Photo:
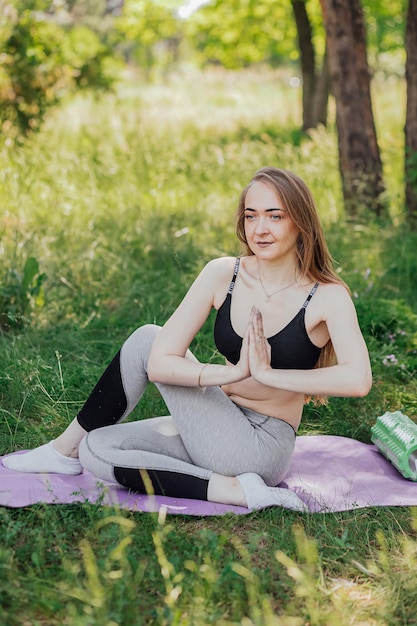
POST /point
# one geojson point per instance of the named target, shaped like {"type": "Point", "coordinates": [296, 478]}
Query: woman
{"type": "Point", "coordinates": [288, 330]}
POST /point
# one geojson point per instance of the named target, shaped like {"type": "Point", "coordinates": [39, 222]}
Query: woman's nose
{"type": "Point", "coordinates": [261, 225]}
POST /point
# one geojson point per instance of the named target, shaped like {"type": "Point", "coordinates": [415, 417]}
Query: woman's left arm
{"type": "Point", "coordinates": [351, 376]}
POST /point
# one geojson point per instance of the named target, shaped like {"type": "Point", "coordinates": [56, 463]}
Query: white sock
{"type": "Point", "coordinates": [44, 459]}
{"type": "Point", "coordinates": [258, 495]}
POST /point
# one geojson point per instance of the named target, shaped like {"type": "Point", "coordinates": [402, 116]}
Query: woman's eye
{"type": "Point", "coordinates": [274, 217]}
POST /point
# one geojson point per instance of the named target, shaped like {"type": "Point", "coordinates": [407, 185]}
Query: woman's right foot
{"type": "Point", "coordinates": [259, 496]}
{"type": "Point", "coordinates": [43, 460]}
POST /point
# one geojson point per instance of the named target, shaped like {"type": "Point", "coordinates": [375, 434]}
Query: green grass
{"type": "Point", "coordinates": [121, 199]}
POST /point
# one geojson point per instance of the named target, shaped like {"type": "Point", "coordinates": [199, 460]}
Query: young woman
{"type": "Point", "coordinates": [288, 330]}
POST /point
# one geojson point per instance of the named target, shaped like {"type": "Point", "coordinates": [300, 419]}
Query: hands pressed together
{"type": "Point", "coordinates": [254, 361]}
{"type": "Point", "coordinates": [255, 355]}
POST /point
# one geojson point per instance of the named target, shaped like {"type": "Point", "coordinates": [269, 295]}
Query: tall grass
{"type": "Point", "coordinates": [122, 199]}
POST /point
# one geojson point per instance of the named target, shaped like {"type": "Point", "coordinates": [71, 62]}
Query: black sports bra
{"type": "Point", "coordinates": [291, 348]}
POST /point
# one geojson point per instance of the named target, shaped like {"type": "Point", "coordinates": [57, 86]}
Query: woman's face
{"type": "Point", "coordinates": [270, 232]}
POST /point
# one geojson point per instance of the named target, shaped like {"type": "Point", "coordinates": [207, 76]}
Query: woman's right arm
{"type": "Point", "coordinates": [351, 376]}
{"type": "Point", "coordinates": [169, 362]}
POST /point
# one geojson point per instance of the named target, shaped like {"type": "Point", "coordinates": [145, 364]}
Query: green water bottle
{"type": "Point", "coordinates": [395, 436]}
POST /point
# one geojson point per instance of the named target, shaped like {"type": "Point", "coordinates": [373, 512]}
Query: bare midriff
{"type": "Point", "coordinates": [283, 405]}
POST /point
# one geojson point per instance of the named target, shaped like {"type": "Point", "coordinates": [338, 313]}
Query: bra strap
{"type": "Point", "coordinates": [310, 295]}
{"type": "Point", "coordinates": [235, 271]}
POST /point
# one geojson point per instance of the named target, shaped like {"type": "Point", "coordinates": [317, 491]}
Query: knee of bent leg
{"type": "Point", "coordinates": [137, 347]}
{"type": "Point", "coordinates": [147, 331]}
{"type": "Point", "coordinates": [142, 338]}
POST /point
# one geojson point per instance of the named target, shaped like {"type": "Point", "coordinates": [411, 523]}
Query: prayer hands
{"type": "Point", "coordinates": [259, 348]}
{"type": "Point", "coordinates": [255, 355]}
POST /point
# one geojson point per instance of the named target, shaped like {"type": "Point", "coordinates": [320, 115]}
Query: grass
{"type": "Point", "coordinates": [121, 200]}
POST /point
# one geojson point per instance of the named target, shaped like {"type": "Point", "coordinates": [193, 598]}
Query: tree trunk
{"type": "Point", "coordinates": [359, 158]}
{"type": "Point", "coordinates": [411, 115]}
{"type": "Point", "coordinates": [315, 87]}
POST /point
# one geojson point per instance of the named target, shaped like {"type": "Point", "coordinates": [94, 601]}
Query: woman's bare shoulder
{"type": "Point", "coordinates": [221, 267]}
{"type": "Point", "coordinates": [334, 297]}
{"type": "Point", "coordinates": [335, 290]}
{"type": "Point", "coordinates": [216, 277]}
{"type": "Point", "coordinates": [331, 290]}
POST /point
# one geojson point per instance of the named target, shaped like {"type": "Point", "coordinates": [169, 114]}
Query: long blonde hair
{"type": "Point", "coordinates": [314, 259]}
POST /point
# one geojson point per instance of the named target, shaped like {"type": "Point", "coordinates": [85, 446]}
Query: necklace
{"type": "Point", "coordinates": [269, 295]}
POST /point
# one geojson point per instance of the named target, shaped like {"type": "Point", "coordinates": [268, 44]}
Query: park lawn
{"type": "Point", "coordinates": [121, 199]}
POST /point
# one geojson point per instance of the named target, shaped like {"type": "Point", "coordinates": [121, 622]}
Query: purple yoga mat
{"type": "Point", "coordinates": [328, 473]}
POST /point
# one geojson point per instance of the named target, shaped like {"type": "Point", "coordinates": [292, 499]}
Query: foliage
{"type": "Point", "coordinates": [19, 292]}
{"type": "Point", "coordinates": [390, 327]}
{"type": "Point", "coordinates": [269, 33]}
{"type": "Point", "coordinates": [42, 63]}
{"type": "Point", "coordinates": [385, 23]}
{"type": "Point", "coordinates": [152, 33]}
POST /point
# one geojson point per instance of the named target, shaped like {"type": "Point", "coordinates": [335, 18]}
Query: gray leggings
{"type": "Point", "coordinates": [204, 433]}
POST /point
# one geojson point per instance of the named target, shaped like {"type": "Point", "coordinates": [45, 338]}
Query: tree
{"type": "Point", "coordinates": [359, 156]}
{"type": "Point", "coordinates": [315, 83]}
{"type": "Point", "coordinates": [411, 115]}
